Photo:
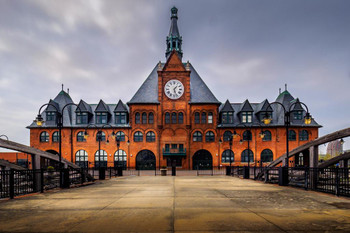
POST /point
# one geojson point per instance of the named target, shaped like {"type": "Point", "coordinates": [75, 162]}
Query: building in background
{"type": "Point", "coordinates": [173, 118]}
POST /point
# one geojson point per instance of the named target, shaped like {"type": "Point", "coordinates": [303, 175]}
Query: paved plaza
{"type": "Point", "coordinates": [177, 204]}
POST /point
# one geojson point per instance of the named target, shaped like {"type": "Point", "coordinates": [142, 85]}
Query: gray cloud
{"type": "Point", "coordinates": [106, 49]}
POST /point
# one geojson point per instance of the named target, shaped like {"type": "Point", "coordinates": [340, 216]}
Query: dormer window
{"type": "Point", "coordinates": [247, 117]}
{"type": "Point", "coordinates": [227, 118]}
{"type": "Point", "coordinates": [298, 115]}
{"type": "Point", "coordinates": [101, 118]}
{"type": "Point", "coordinates": [82, 118]}
{"type": "Point", "coordinates": [50, 116]}
{"type": "Point", "coordinates": [120, 117]}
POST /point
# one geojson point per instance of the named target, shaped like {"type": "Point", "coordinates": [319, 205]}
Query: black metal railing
{"type": "Point", "coordinates": [329, 180]}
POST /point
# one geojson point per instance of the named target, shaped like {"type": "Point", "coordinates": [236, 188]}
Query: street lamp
{"type": "Point", "coordinates": [99, 138]}
{"type": "Point", "coordinates": [118, 145]}
{"type": "Point", "coordinates": [267, 120]}
{"type": "Point", "coordinates": [39, 121]}
{"type": "Point", "coordinates": [249, 127]}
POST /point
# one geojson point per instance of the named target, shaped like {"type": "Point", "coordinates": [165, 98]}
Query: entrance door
{"type": "Point", "coordinates": [145, 160]}
{"type": "Point", "coordinates": [202, 160]}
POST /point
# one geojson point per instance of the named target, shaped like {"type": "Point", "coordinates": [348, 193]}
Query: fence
{"type": "Point", "coordinates": [329, 180]}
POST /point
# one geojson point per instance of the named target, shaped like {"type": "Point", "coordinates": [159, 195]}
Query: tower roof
{"type": "Point", "coordinates": [148, 92]}
{"type": "Point", "coordinates": [173, 40]}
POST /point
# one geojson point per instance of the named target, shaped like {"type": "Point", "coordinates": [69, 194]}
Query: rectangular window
{"type": "Point", "coordinates": [120, 118]}
{"type": "Point", "coordinates": [224, 117]}
{"type": "Point", "coordinates": [82, 118]}
{"type": "Point", "coordinates": [210, 118]}
{"type": "Point", "coordinates": [298, 115]}
{"type": "Point", "coordinates": [101, 118]}
{"type": "Point", "coordinates": [173, 146]}
{"type": "Point", "coordinates": [181, 147]}
{"type": "Point", "coordinates": [167, 147]}
{"type": "Point", "coordinates": [247, 117]}
{"type": "Point", "coordinates": [50, 116]}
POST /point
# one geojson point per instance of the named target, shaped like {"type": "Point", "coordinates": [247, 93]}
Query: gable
{"type": "Point", "coordinates": [174, 63]}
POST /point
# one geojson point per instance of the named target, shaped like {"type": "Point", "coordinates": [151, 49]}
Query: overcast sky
{"type": "Point", "coordinates": [106, 49]}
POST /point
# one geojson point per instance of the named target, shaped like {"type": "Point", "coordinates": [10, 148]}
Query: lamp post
{"type": "Point", "coordinates": [250, 137]}
{"type": "Point", "coordinates": [307, 120]}
{"type": "Point", "coordinates": [118, 145]}
{"type": "Point", "coordinates": [59, 122]}
{"type": "Point", "coordinates": [99, 138]}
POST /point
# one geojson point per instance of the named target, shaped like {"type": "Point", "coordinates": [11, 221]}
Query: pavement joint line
{"type": "Point", "coordinates": [174, 205]}
{"type": "Point", "coordinates": [87, 219]}
{"type": "Point", "coordinates": [252, 211]}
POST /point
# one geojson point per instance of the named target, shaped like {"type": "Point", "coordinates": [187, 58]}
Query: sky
{"type": "Point", "coordinates": [242, 49]}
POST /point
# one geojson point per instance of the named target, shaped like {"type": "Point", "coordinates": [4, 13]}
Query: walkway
{"type": "Point", "coordinates": [180, 204]}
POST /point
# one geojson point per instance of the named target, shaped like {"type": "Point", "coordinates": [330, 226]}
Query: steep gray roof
{"type": "Point", "coordinates": [120, 107]}
{"type": "Point", "coordinates": [102, 107]}
{"type": "Point", "coordinates": [226, 107]}
{"type": "Point", "coordinates": [83, 107]}
{"type": "Point", "coordinates": [264, 106]}
{"type": "Point", "coordinates": [246, 107]}
{"type": "Point", "coordinates": [148, 92]}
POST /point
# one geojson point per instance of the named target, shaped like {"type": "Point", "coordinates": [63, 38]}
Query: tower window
{"type": "Point", "coordinates": [150, 118]}
{"type": "Point", "coordinates": [144, 118]}
{"type": "Point", "coordinates": [181, 118]}
{"type": "Point", "coordinates": [167, 118]}
{"type": "Point", "coordinates": [50, 116]}
{"type": "Point", "coordinates": [174, 118]}
{"type": "Point", "coordinates": [210, 118]}
{"type": "Point", "coordinates": [197, 136]}
{"type": "Point", "coordinates": [204, 118]}
{"type": "Point", "coordinates": [196, 118]}
{"type": "Point", "coordinates": [137, 118]}
{"type": "Point", "coordinates": [298, 115]}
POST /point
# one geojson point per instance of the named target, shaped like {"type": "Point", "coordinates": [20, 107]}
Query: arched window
{"type": "Point", "coordinates": [210, 136]}
{"type": "Point", "coordinates": [267, 136]}
{"type": "Point", "coordinates": [204, 118]}
{"type": "Point", "coordinates": [120, 158]}
{"type": "Point", "coordinates": [197, 136]}
{"type": "Point", "coordinates": [266, 156]}
{"type": "Point", "coordinates": [55, 136]}
{"type": "Point", "coordinates": [137, 118]}
{"type": "Point", "coordinates": [210, 118]}
{"type": "Point", "coordinates": [196, 118]}
{"type": "Point", "coordinates": [100, 136]}
{"type": "Point", "coordinates": [150, 137]}
{"type": "Point", "coordinates": [81, 158]}
{"type": "Point", "coordinates": [244, 156]}
{"type": "Point", "coordinates": [303, 135]}
{"type": "Point", "coordinates": [173, 118]}
{"type": "Point", "coordinates": [44, 137]}
{"type": "Point", "coordinates": [101, 158]}
{"type": "Point", "coordinates": [227, 136]}
{"type": "Point", "coordinates": [150, 118]}
{"type": "Point", "coordinates": [138, 136]}
{"type": "Point", "coordinates": [292, 136]}
{"type": "Point", "coordinates": [167, 118]}
{"type": "Point", "coordinates": [247, 135]}
{"type": "Point", "coordinates": [180, 118]}
{"type": "Point", "coordinates": [80, 137]}
{"type": "Point", "coordinates": [225, 158]}
{"type": "Point", "coordinates": [120, 135]}
{"type": "Point", "coordinates": [144, 118]}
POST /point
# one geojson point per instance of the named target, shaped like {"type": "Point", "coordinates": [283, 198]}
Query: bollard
{"type": "Point", "coordinates": [246, 171]}
{"type": "Point", "coordinates": [102, 173]}
{"type": "Point", "coordinates": [66, 180]}
{"type": "Point", "coordinates": [41, 180]}
{"type": "Point", "coordinates": [120, 171]}
{"type": "Point", "coordinates": [228, 171]}
{"type": "Point", "coordinates": [12, 184]}
{"type": "Point", "coordinates": [282, 176]}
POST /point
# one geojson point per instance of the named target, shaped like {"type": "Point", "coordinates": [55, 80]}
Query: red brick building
{"type": "Point", "coordinates": [172, 118]}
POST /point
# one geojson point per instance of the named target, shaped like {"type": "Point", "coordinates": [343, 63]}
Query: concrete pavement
{"type": "Point", "coordinates": [177, 204]}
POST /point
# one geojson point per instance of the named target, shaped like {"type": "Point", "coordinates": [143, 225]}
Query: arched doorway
{"type": "Point", "coordinates": [145, 160]}
{"type": "Point", "coordinates": [202, 160]}
{"type": "Point", "coordinates": [45, 162]}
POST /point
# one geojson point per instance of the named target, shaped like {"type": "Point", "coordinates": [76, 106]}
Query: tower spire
{"type": "Point", "coordinates": [173, 40]}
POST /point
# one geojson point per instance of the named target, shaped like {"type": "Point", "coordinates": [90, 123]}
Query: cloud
{"type": "Point", "coordinates": [106, 49]}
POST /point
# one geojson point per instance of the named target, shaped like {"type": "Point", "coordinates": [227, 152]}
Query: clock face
{"type": "Point", "coordinates": [174, 89]}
